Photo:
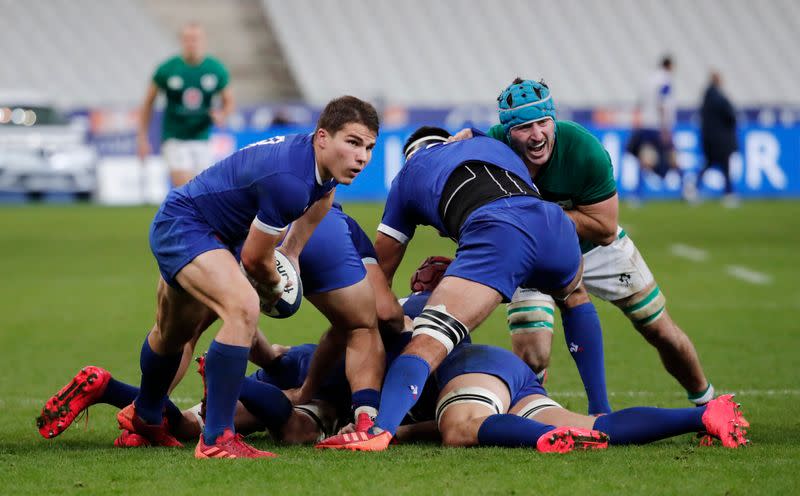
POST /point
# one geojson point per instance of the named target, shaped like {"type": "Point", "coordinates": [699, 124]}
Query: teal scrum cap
{"type": "Point", "coordinates": [524, 102]}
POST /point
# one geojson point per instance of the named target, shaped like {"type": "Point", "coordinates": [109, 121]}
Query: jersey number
{"type": "Point", "coordinates": [270, 141]}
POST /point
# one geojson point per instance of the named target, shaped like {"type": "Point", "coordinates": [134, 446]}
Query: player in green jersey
{"type": "Point", "coordinates": [189, 81]}
{"type": "Point", "coordinates": [571, 167]}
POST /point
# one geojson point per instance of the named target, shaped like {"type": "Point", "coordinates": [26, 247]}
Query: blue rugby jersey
{"type": "Point", "coordinates": [272, 181]}
{"type": "Point", "coordinates": [415, 192]}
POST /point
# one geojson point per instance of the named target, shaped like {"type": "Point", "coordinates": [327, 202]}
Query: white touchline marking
{"type": "Point", "coordinates": [690, 252]}
{"type": "Point", "coordinates": [748, 275]}
{"type": "Point", "coordinates": [743, 392]}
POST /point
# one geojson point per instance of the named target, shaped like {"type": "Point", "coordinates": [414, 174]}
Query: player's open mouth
{"type": "Point", "coordinates": [537, 147]}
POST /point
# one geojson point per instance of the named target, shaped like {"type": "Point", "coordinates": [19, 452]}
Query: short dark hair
{"type": "Point", "coordinates": [346, 109]}
{"type": "Point", "coordinates": [424, 132]}
{"type": "Point", "coordinates": [666, 61]}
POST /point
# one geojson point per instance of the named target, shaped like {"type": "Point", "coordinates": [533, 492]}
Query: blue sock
{"type": "Point", "coordinates": [173, 414]}
{"type": "Point", "coordinates": [225, 368]}
{"type": "Point", "coordinates": [641, 424]}
{"type": "Point", "coordinates": [505, 429]}
{"type": "Point", "coordinates": [585, 342]}
{"type": "Point", "coordinates": [118, 394]}
{"type": "Point", "coordinates": [157, 374]}
{"type": "Point", "coordinates": [266, 402]}
{"type": "Point", "coordinates": [401, 390]}
{"type": "Point", "coordinates": [366, 397]}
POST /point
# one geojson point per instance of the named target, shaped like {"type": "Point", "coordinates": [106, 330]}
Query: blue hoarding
{"type": "Point", "coordinates": [766, 166]}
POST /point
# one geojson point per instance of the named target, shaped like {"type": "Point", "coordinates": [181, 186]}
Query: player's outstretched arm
{"type": "Point", "coordinates": [330, 350]}
{"type": "Point", "coordinates": [261, 352]}
{"type": "Point", "coordinates": [390, 313]}
{"type": "Point", "coordinates": [597, 222]}
{"type": "Point", "coordinates": [390, 253]}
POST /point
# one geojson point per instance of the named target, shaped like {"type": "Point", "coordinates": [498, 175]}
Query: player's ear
{"type": "Point", "coordinates": [322, 136]}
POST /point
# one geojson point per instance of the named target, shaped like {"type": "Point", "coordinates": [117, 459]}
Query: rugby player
{"type": "Point", "coordinates": [328, 276]}
{"type": "Point", "coordinates": [190, 81]}
{"type": "Point", "coordinates": [570, 167]}
{"type": "Point", "coordinates": [479, 193]}
{"type": "Point", "coordinates": [249, 198]}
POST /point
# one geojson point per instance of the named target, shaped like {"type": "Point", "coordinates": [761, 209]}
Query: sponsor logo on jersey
{"type": "Point", "coordinates": [414, 390]}
{"type": "Point", "coordinates": [175, 82]}
{"type": "Point", "coordinates": [192, 98]}
{"type": "Point", "coordinates": [209, 82]}
{"type": "Point", "coordinates": [625, 280]}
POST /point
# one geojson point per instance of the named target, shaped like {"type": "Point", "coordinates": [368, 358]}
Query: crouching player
{"type": "Point", "coordinates": [333, 280]}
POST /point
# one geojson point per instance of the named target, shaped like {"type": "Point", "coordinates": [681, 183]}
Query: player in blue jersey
{"type": "Point", "coordinates": [267, 405]}
{"type": "Point", "coordinates": [479, 193]}
{"type": "Point", "coordinates": [333, 280]}
{"type": "Point", "coordinates": [249, 198]}
{"type": "Point", "coordinates": [490, 397]}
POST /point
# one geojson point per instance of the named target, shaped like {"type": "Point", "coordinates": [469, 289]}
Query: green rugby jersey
{"type": "Point", "coordinates": [578, 173]}
{"type": "Point", "coordinates": [189, 90]}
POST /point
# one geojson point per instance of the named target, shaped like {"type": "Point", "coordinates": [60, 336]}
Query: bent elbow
{"type": "Point", "coordinates": [607, 236]}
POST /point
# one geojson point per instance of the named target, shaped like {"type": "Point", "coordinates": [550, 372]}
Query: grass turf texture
{"type": "Point", "coordinates": [78, 288]}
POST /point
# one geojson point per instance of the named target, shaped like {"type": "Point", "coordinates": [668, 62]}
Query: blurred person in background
{"type": "Point", "coordinates": [718, 132]}
{"type": "Point", "coordinates": [651, 142]}
{"type": "Point", "coordinates": [190, 81]}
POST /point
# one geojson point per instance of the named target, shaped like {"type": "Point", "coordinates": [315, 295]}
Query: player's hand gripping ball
{"type": "Point", "coordinates": [292, 293]}
{"type": "Point", "coordinates": [428, 275]}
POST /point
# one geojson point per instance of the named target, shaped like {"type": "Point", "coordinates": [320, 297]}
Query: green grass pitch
{"type": "Point", "coordinates": [78, 288]}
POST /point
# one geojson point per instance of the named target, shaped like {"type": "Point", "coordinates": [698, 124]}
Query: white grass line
{"type": "Point", "coordinates": [690, 252]}
{"type": "Point", "coordinates": [748, 275]}
{"type": "Point", "coordinates": [742, 392]}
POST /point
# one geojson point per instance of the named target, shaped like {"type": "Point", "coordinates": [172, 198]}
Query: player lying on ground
{"type": "Point", "coordinates": [569, 166]}
{"type": "Point", "coordinates": [490, 397]}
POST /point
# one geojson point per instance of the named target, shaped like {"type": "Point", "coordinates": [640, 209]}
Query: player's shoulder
{"type": "Point", "coordinates": [215, 63]}
{"type": "Point", "coordinates": [576, 137]}
{"type": "Point", "coordinates": [573, 130]}
{"type": "Point", "coordinates": [289, 154]}
{"type": "Point", "coordinates": [172, 62]}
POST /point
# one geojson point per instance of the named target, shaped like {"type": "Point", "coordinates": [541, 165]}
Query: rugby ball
{"type": "Point", "coordinates": [289, 302]}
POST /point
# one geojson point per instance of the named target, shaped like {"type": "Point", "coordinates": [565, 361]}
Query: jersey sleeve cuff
{"type": "Point", "coordinates": [393, 233]}
{"type": "Point", "coordinates": [266, 228]}
{"type": "Point", "coordinates": [599, 198]}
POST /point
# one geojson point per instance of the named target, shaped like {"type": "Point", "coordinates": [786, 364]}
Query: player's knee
{"type": "Point", "coordinates": [460, 427]}
{"type": "Point", "coordinates": [457, 434]}
{"type": "Point", "coordinates": [437, 323]}
{"type": "Point", "coordinates": [578, 296]}
{"type": "Point", "coordinates": [536, 358]}
{"type": "Point", "coordinates": [243, 310]}
{"type": "Point", "coordinates": [530, 316]}
{"type": "Point", "coordinates": [647, 311]}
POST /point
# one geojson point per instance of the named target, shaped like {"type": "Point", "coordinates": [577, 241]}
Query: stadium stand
{"type": "Point", "coordinates": [456, 51]}
{"type": "Point", "coordinates": [239, 34]}
{"type": "Point", "coordinates": [80, 52]}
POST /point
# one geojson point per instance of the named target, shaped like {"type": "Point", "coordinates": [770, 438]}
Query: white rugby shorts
{"type": "Point", "coordinates": [187, 155]}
